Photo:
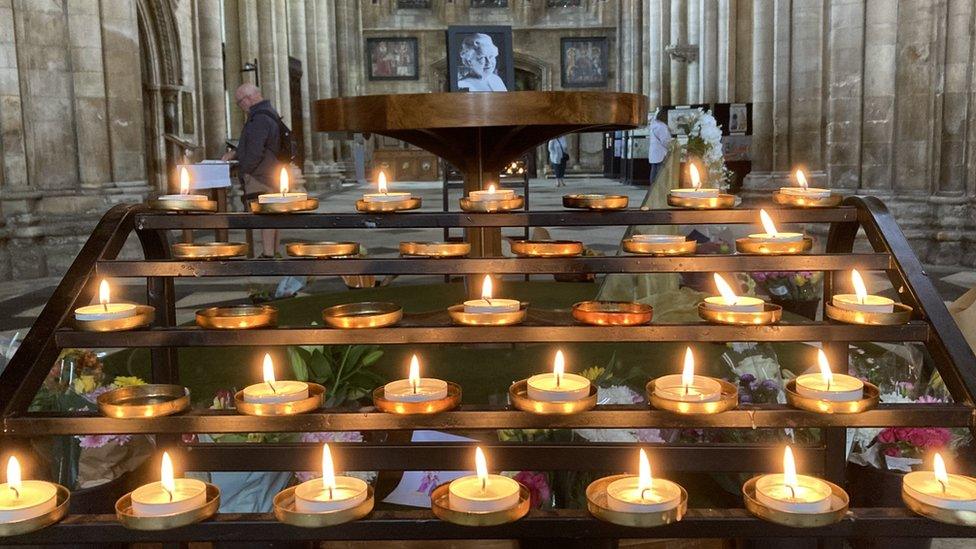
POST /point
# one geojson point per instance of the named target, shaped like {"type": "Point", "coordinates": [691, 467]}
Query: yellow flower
{"type": "Point", "coordinates": [127, 381]}
{"type": "Point", "coordinates": [592, 373]}
{"type": "Point", "coordinates": [800, 280]}
{"type": "Point", "coordinates": [84, 384]}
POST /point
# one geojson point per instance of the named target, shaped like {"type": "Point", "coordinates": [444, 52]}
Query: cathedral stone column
{"type": "Point", "coordinates": [212, 78]}
{"type": "Point", "coordinates": [322, 78]}
{"type": "Point", "coordinates": [694, 30]}
{"type": "Point", "coordinates": [762, 85]}
{"type": "Point", "coordinates": [88, 85]}
{"type": "Point", "coordinates": [679, 38]}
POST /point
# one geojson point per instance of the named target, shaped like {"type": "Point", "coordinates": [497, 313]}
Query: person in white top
{"type": "Point", "coordinates": [658, 139]}
{"type": "Point", "coordinates": [558, 157]}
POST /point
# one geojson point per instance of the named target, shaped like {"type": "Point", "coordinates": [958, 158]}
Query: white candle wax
{"type": "Point", "coordinates": [842, 388]}
{"type": "Point", "coordinates": [806, 192]}
{"type": "Point", "coordinates": [281, 198]}
{"type": "Point", "coordinates": [313, 497]}
{"type": "Point", "coordinates": [402, 390]}
{"type": "Point", "coordinates": [281, 392]}
{"type": "Point", "coordinates": [591, 196]}
{"type": "Point", "coordinates": [35, 498]}
{"type": "Point", "coordinates": [959, 493]}
{"type": "Point", "coordinates": [543, 387]}
{"type": "Point", "coordinates": [778, 237]}
{"type": "Point", "coordinates": [870, 304]}
{"type": "Point", "coordinates": [694, 193]}
{"type": "Point", "coordinates": [469, 495]}
{"type": "Point", "coordinates": [483, 306]}
{"type": "Point", "coordinates": [193, 197]}
{"type": "Point", "coordinates": [386, 197]}
{"type": "Point", "coordinates": [810, 495]}
{"type": "Point", "coordinates": [741, 304]}
{"type": "Point", "coordinates": [109, 311]}
{"type": "Point", "coordinates": [624, 495]}
{"type": "Point", "coordinates": [701, 389]}
{"type": "Point", "coordinates": [497, 194]}
{"type": "Point", "coordinates": [152, 500]}
{"type": "Point", "coordinates": [658, 238]}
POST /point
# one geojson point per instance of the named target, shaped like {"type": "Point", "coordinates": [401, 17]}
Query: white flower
{"type": "Point", "coordinates": [617, 394]}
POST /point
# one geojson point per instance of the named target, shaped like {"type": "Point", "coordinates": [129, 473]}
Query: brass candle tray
{"type": "Point", "coordinates": [284, 511]}
{"type": "Point", "coordinates": [458, 316]}
{"type": "Point", "coordinates": [596, 201]}
{"type": "Point", "coordinates": [868, 402]}
{"type": "Point", "coordinates": [722, 201]}
{"type": "Point", "coordinates": [546, 248]}
{"type": "Point", "coordinates": [769, 315]}
{"type": "Point", "coordinates": [316, 394]}
{"type": "Point", "coordinates": [322, 249]}
{"type": "Point", "coordinates": [181, 205]}
{"type": "Point", "coordinates": [449, 402]}
{"type": "Point", "coordinates": [366, 314]}
{"type": "Point", "coordinates": [632, 246]}
{"type": "Point", "coordinates": [143, 317]}
{"type": "Point", "coordinates": [750, 246]}
{"type": "Point", "coordinates": [123, 511]}
{"type": "Point", "coordinates": [487, 206]}
{"type": "Point", "coordinates": [612, 313]}
{"type": "Point", "coordinates": [596, 503]}
{"type": "Point", "coordinates": [237, 317]}
{"type": "Point", "coordinates": [210, 250]}
{"type": "Point", "coordinates": [901, 315]}
{"type": "Point", "coordinates": [949, 516]}
{"type": "Point", "coordinates": [307, 205]}
{"type": "Point", "coordinates": [435, 249]}
{"type": "Point", "coordinates": [519, 397]}
{"type": "Point", "coordinates": [838, 508]}
{"type": "Point", "coordinates": [807, 202]}
{"type": "Point", "coordinates": [33, 524]}
{"type": "Point", "coordinates": [411, 203]}
{"type": "Point", "coordinates": [144, 401]}
{"type": "Point", "coordinates": [728, 400]}
{"type": "Point", "coordinates": [440, 504]}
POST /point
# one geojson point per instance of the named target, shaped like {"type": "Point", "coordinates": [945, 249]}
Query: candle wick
{"type": "Point", "coordinates": [687, 389]}
{"type": "Point", "coordinates": [487, 300]}
{"type": "Point", "coordinates": [643, 492]}
{"type": "Point", "coordinates": [792, 492]}
{"type": "Point", "coordinates": [484, 484]}
{"type": "Point", "coordinates": [828, 384]}
{"type": "Point", "coordinates": [17, 492]}
{"type": "Point", "coordinates": [105, 305]}
{"type": "Point", "coordinates": [168, 493]}
{"type": "Point", "coordinates": [414, 384]}
{"type": "Point", "coordinates": [331, 495]}
{"type": "Point", "coordinates": [943, 484]}
{"type": "Point", "coordinates": [272, 387]}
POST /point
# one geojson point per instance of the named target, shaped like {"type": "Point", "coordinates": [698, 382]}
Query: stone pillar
{"type": "Point", "coordinates": [267, 58]}
{"type": "Point", "coordinates": [805, 87]}
{"type": "Point", "coordinates": [762, 85]}
{"type": "Point", "coordinates": [781, 71]}
{"type": "Point", "coordinates": [321, 25]}
{"type": "Point", "coordinates": [123, 85]}
{"type": "Point", "coordinates": [955, 107]}
{"type": "Point", "coordinates": [710, 38]}
{"type": "Point", "coordinates": [13, 158]}
{"type": "Point", "coordinates": [213, 106]}
{"type": "Point", "coordinates": [349, 33]}
{"type": "Point", "coordinates": [629, 44]}
{"type": "Point", "coordinates": [724, 82]}
{"type": "Point", "coordinates": [918, 33]}
{"type": "Point", "coordinates": [298, 48]}
{"type": "Point", "coordinates": [679, 37]}
{"type": "Point", "coordinates": [88, 86]}
{"type": "Point", "coordinates": [694, 40]}
{"type": "Point", "coordinates": [658, 63]}
{"type": "Point", "coordinates": [742, 54]}
{"type": "Point", "coordinates": [281, 52]}
{"type": "Point", "coordinates": [845, 81]}
{"type": "Point", "coordinates": [878, 118]}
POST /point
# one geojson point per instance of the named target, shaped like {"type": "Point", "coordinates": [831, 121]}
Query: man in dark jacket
{"type": "Point", "coordinates": [257, 152]}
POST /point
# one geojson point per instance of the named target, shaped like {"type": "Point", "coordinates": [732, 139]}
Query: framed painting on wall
{"type": "Point", "coordinates": [585, 62]}
{"type": "Point", "coordinates": [392, 58]}
{"type": "Point", "coordinates": [413, 4]}
{"type": "Point", "coordinates": [479, 58]}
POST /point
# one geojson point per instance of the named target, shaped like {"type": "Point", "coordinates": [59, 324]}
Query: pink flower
{"type": "Point", "coordinates": [538, 485]}
{"type": "Point", "coordinates": [97, 441]}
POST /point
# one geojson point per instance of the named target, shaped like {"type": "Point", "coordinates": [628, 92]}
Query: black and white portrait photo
{"type": "Point", "coordinates": [480, 58]}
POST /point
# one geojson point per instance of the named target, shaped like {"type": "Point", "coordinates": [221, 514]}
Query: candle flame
{"type": "Point", "coordinates": [725, 290]}
{"type": "Point", "coordinates": [481, 466]}
{"type": "Point", "coordinates": [269, 376]}
{"type": "Point", "coordinates": [688, 372]}
{"type": "Point", "coordinates": [859, 288]}
{"type": "Point", "coordinates": [801, 179]}
{"type": "Point", "coordinates": [491, 188]}
{"type": "Point", "coordinates": [767, 223]}
{"type": "Point", "coordinates": [166, 477]}
{"type": "Point", "coordinates": [695, 176]}
{"type": "Point", "coordinates": [828, 376]}
{"type": "Point", "coordinates": [381, 181]}
{"type": "Point", "coordinates": [558, 367]}
{"type": "Point", "coordinates": [103, 294]}
{"type": "Point", "coordinates": [283, 180]}
{"type": "Point", "coordinates": [643, 473]}
{"type": "Point", "coordinates": [184, 181]}
{"type": "Point", "coordinates": [789, 469]}
{"type": "Point", "coordinates": [328, 470]}
{"type": "Point", "coordinates": [414, 376]}
{"type": "Point", "coordinates": [13, 474]}
{"type": "Point", "coordinates": [486, 288]}
{"type": "Point", "coordinates": [940, 470]}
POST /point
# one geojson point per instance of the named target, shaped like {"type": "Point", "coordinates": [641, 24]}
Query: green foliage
{"type": "Point", "coordinates": [344, 370]}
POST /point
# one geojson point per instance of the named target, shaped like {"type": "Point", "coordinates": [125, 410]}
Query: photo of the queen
{"type": "Point", "coordinates": [480, 59]}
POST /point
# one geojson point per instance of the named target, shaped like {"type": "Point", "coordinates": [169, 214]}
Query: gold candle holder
{"type": "Point", "coordinates": [770, 314]}
{"type": "Point", "coordinates": [144, 401]}
{"type": "Point", "coordinates": [237, 317]}
{"type": "Point", "coordinates": [366, 314]}
{"type": "Point", "coordinates": [33, 524]}
{"type": "Point", "coordinates": [211, 250]}
{"type": "Point", "coordinates": [612, 313]}
{"type": "Point", "coordinates": [752, 246]}
{"type": "Point", "coordinates": [458, 316]}
{"type": "Point", "coordinates": [435, 249]}
{"type": "Point", "coordinates": [411, 203]}
{"type": "Point", "coordinates": [518, 395]}
{"type": "Point", "coordinates": [901, 315]}
{"type": "Point", "coordinates": [123, 511]}
{"type": "Point", "coordinates": [728, 400]}
{"type": "Point", "coordinates": [316, 393]}
{"type": "Point", "coordinates": [939, 514]}
{"type": "Point", "coordinates": [806, 201]}
{"type": "Point", "coordinates": [322, 249]}
{"type": "Point", "coordinates": [143, 317]}
{"type": "Point", "coordinates": [870, 401]}
{"type": "Point", "coordinates": [284, 511]}
{"type": "Point", "coordinates": [632, 246]}
{"type": "Point", "coordinates": [722, 201]}
{"type": "Point", "coordinates": [839, 501]}
{"type": "Point", "coordinates": [596, 201]}
{"type": "Point", "coordinates": [440, 504]}
{"type": "Point", "coordinates": [488, 206]}
{"type": "Point", "coordinates": [596, 503]}
{"type": "Point", "coordinates": [546, 248]}
{"type": "Point", "coordinates": [307, 205]}
{"type": "Point", "coordinates": [181, 205]}
{"type": "Point", "coordinates": [449, 402]}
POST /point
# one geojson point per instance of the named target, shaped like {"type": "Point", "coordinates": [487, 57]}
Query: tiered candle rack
{"type": "Point", "coordinates": [930, 326]}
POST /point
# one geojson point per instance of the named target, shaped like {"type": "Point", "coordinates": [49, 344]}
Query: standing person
{"type": "Point", "coordinates": [559, 157]}
{"type": "Point", "coordinates": [658, 139]}
{"type": "Point", "coordinates": [257, 153]}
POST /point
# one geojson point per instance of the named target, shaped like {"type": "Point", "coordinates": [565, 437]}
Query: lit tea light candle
{"type": "Point", "coordinates": [105, 310]}
{"type": "Point", "coordinates": [658, 238]}
{"type": "Point", "coordinates": [696, 190]}
{"type": "Point", "coordinates": [861, 301]}
{"type": "Point", "coordinates": [643, 493]}
{"type": "Point", "coordinates": [827, 385]}
{"type": "Point", "coordinates": [488, 304]}
{"type": "Point", "coordinates": [384, 195]}
{"type": "Point", "coordinates": [272, 391]}
{"type": "Point", "coordinates": [558, 386]}
{"type": "Point", "coordinates": [803, 189]}
{"type": "Point", "coordinates": [283, 196]}
{"type": "Point", "coordinates": [24, 499]}
{"type": "Point", "coordinates": [771, 234]}
{"type": "Point", "coordinates": [329, 493]}
{"type": "Point", "coordinates": [415, 388]}
{"type": "Point", "coordinates": [940, 489]}
{"type": "Point", "coordinates": [492, 194]}
{"type": "Point", "coordinates": [730, 302]}
{"type": "Point", "coordinates": [481, 492]}
{"type": "Point", "coordinates": [687, 387]}
{"type": "Point", "coordinates": [184, 189]}
{"type": "Point", "coordinates": [793, 493]}
{"type": "Point", "coordinates": [170, 495]}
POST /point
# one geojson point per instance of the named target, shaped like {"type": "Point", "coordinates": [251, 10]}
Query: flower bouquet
{"type": "Point", "coordinates": [798, 292]}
